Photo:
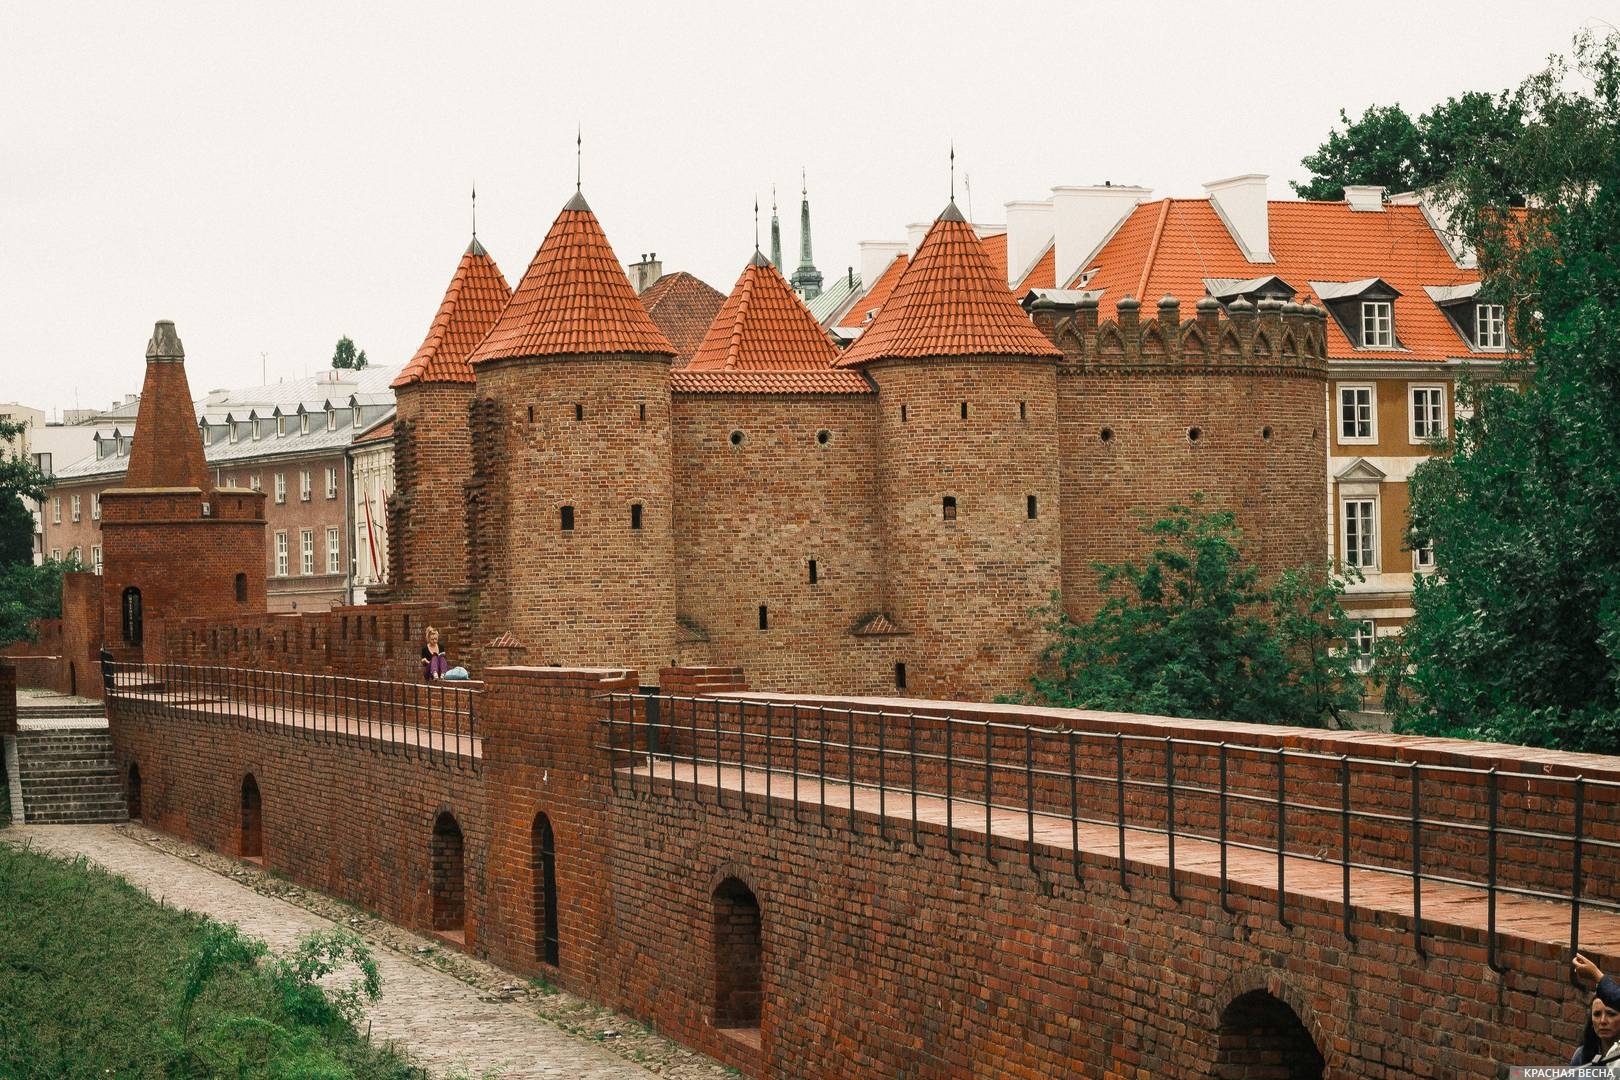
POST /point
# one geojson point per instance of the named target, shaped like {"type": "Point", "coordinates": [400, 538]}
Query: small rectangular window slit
{"type": "Point", "coordinates": [567, 515]}
{"type": "Point", "coordinates": [813, 574]}
{"type": "Point", "coordinates": [635, 515]}
{"type": "Point", "coordinates": [764, 618]}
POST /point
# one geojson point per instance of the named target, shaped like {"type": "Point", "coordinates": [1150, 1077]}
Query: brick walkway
{"type": "Point", "coordinates": [446, 1023]}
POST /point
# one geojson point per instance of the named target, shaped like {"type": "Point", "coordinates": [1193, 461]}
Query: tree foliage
{"type": "Point", "coordinates": [1192, 631]}
{"type": "Point", "coordinates": [345, 356]}
{"type": "Point", "coordinates": [1386, 146]}
{"type": "Point", "coordinates": [16, 531]}
{"type": "Point", "coordinates": [19, 476]}
{"type": "Point", "coordinates": [1517, 637]}
{"type": "Point", "coordinates": [29, 592]}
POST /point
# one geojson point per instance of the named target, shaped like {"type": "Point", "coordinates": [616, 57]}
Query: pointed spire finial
{"type": "Point", "coordinates": [579, 156]}
{"type": "Point", "coordinates": [475, 209]}
{"type": "Point", "coordinates": [756, 224]}
{"type": "Point", "coordinates": [953, 170]}
{"type": "Point", "coordinates": [804, 185]}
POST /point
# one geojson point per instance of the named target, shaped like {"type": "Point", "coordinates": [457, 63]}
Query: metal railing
{"type": "Point", "coordinates": [436, 723]}
{"type": "Point", "coordinates": [1549, 838]}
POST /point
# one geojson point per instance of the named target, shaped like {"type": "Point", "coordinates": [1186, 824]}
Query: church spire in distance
{"type": "Point", "coordinates": [806, 279]}
{"type": "Point", "coordinates": [776, 233]}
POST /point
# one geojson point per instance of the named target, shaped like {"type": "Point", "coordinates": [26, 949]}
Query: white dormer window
{"type": "Point", "coordinates": [357, 416]}
{"type": "Point", "coordinates": [331, 419]}
{"type": "Point", "coordinates": [1377, 324]}
{"type": "Point", "coordinates": [258, 429]}
{"type": "Point", "coordinates": [281, 426]}
{"type": "Point", "coordinates": [1490, 326]}
{"type": "Point", "coordinates": [123, 445]}
{"type": "Point", "coordinates": [303, 423]}
{"type": "Point", "coordinates": [232, 428]}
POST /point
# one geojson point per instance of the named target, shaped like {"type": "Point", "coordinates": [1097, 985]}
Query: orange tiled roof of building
{"type": "Point", "coordinates": [1172, 245]}
{"type": "Point", "coordinates": [683, 306]}
{"type": "Point", "coordinates": [574, 298]}
{"type": "Point", "coordinates": [827, 381]}
{"type": "Point", "coordinates": [951, 301]}
{"type": "Point", "coordinates": [763, 326]}
{"type": "Point", "coordinates": [381, 433]}
{"type": "Point", "coordinates": [876, 295]}
{"type": "Point", "coordinates": [1042, 274]}
{"type": "Point", "coordinates": [477, 295]}
{"type": "Point", "coordinates": [995, 249]}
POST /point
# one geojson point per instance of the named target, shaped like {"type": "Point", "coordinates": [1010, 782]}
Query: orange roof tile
{"type": "Point", "coordinates": [826, 381]}
{"type": "Point", "coordinates": [1310, 241]}
{"type": "Point", "coordinates": [477, 294]}
{"type": "Point", "coordinates": [574, 298]}
{"type": "Point", "coordinates": [951, 301]}
{"type": "Point", "coordinates": [763, 326]}
{"type": "Point", "coordinates": [1043, 275]}
{"type": "Point", "coordinates": [381, 433]}
{"type": "Point", "coordinates": [683, 306]}
{"type": "Point", "coordinates": [995, 248]}
{"type": "Point", "coordinates": [876, 295]}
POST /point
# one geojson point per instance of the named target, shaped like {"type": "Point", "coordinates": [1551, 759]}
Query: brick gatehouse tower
{"type": "Point", "coordinates": [174, 544]}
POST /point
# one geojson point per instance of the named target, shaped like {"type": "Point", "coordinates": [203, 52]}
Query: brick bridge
{"type": "Point", "coordinates": [824, 887]}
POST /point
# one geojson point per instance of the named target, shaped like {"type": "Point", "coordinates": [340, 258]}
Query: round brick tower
{"type": "Point", "coordinates": [571, 552]}
{"type": "Point", "coordinates": [427, 518]}
{"type": "Point", "coordinates": [968, 467]}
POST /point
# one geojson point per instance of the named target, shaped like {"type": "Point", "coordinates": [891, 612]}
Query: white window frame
{"type": "Point", "coordinates": [303, 423]}
{"type": "Point", "coordinates": [56, 511]}
{"type": "Point", "coordinates": [331, 419]}
{"type": "Point", "coordinates": [95, 506]}
{"type": "Point", "coordinates": [331, 482]}
{"type": "Point", "coordinates": [56, 554]}
{"type": "Point", "coordinates": [1366, 528]}
{"type": "Point", "coordinates": [1423, 558]}
{"type": "Point", "coordinates": [281, 488]}
{"type": "Point", "coordinates": [231, 430]}
{"type": "Point", "coordinates": [281, 553]}
{"type": "Point", "coordinates": [77, 505]}
{"type": "Point", "coordinates": [258, 429]}
{"type": "Point", "coordinates": [77, 554]}
{"type": "Point", "coordinates": [1435, 410]}
{"type": "Point", "coordinates": [303, 485]}
{"type": "Point", "coordinates": [1339, 392]}
{"type": "Point", "coordinates": [1378, 324]}
{"type": "Point", "coordinates": [256, 482]}
{"type": "Point", "coordinates": [306, 552]}
{"type": "Point", "coordinates": [281, 426]}
{"type": "Point", "coordinates": [1490, 327]}
{"type": "Point", "coordinates": [356, 416]}
{"type": "Point", "coordinates": [334, 551]}
{"type": "Point", "coordinates": [95, 559]}
{"type": "Point", "coordinates": [1361, 646]}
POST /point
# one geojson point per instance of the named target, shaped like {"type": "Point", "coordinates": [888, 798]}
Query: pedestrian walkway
{"type": "Point", "coordinates": [447, 1024]}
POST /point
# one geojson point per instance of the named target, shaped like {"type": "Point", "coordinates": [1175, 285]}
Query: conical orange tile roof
{"type": "Point", "coordinates": [574, 298]}
{"type": "Point", "coordinates": [477, 295]}
{"type": "Point", "coordinates": [951, 301]}
{"type": "Point", "coordinates": [763, 326]}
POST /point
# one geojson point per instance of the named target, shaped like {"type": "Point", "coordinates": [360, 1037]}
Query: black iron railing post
{"type": "Point", "coordinates": [1576, 875]}
{"type": "Point", "coordinates": [1170, 808]}
{"type": "Point", "coordinates": [1344, 839]}
{"type": "Point", "coordinates": [769, 753]}
{"type": "Point", "coordinates": [1282, 836]}
{"type": "Point", "coordinates": [849, 716]}
{"type": "Point", "coordinates": [1225, 902]}
{"type": "Point", "coordinates": [793, 748]}
{"type": "Point", "coordinates": [1029, 793]}
{"type": "Point", "coordinates": [911, 747]}
{"type": "Point", "coordinates": [742, 749]}
{"type": "Point", "coordinates": [1417, 859]}
{"type": "Point", "coordinates": [883, 779]}
{"type": "Point", "coordinates": [612, 755]}
{"type": "Point", "coordinates": [696, 794]}
{"type": "Point", "coordinates": [1074, 807]}
{"type": "Point", "coordinates": [719, 760]}
{"type": "Point", "coordinates": [1490, 870]}
{"type": "Point", "coordinates": [1119, 789]}
{"type": "Point", "coordinates": [989, 801]}
{"type": "Point", "coordinates": [950, 795]}
{"type": "Point", "coordinates": [821, 758]}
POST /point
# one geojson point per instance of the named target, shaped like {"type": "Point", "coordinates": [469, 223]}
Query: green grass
{"type": "Point", "coordinates": [97, 979]}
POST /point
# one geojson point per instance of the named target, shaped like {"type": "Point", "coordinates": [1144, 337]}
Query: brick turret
{"type": "Point", "coordinates": [173, 544]}
{"type": "Point", "coordinates": [432, 453]}
{"type": "Point", "coordinates": [967, 466]}
{"type": "Point", "coordinates": [570, 546]}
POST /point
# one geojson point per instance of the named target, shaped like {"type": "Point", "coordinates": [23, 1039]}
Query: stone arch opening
{"type": "Point", "coordinates": [252, 839]}
{"type": "Point", "coordinates": [543, 847]}
{"type": "Point", "coordinates": [1261, 1038]}
{"type": "Point", "coordinates": [132, 791]}
{"type": "Point", "coordinates": [738, 956]}
{"type": "Point", "coordinates": [449, 879]}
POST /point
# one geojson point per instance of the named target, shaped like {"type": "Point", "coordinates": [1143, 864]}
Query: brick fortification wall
{"type": "Point", "coordinates": [432, 460]}
{"type": "Point", "coordinates": [888, 956]}
{"type": "Point", "coordinates": [373, 641]}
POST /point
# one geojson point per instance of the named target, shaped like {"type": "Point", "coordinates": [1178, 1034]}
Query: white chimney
{"type": "Point", "coordinates": [1029, 230]}
{"type": "Point", "coordinates": [1082, 217]}
{"type": "Point", "coordinates": [876, 255]}
{"type": "Point", "coordinates": [1241, 203]}
{"type": "Point", "coordinates": [1365, 198]}
{"type": "Point", "coordinates": [915, 233]}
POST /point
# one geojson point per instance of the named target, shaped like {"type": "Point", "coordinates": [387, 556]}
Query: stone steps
{"type": "Point", "coordinates": [69, 776]}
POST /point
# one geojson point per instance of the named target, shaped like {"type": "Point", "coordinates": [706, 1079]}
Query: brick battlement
{"type": "Point", "coordinates": [1270, 336]}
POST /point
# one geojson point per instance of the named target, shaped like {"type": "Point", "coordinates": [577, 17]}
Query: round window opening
{"type": "Point", "coordinates": [1194, 434]}
{"type": "Point", "coordinates": [1106, 434]}
{"type": "Point", "coordinates": [1265, 433]}
{"type": "Point", "coordinates": [822, 436]}
{"type": "Point", "coordinates": [736, 438]}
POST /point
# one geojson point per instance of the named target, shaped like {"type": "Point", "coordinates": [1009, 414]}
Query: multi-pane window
{"type": "Point", "coordinates": [56, 554]}
{"type": "Point", "coordinates": [256, 482]}
{"type": "Point", "coordinates": [1360, 541]}
{"type": "Point", "coordinates": [76, 556]}
{"type": "Point", "coordinates": [1428, 412]}
{"type": "Point", "coordinates": [1361, 646]}
{"type": "Point", "coordinates": [281, 487]}
{"type": "Point", "coordinates": [56, 510]}
{"type": "Point", "coordinates": [303, 485]}
{"type": "Point", "coordinates": [331, 482]}
{"type": "Point", "coordinates": [334, 552]}
{"type": "Point", "coordinates": [1490, 326]}
{"type": "Point", "coordinates": [76, 508]}
{"type": "Point", "coordinates": [1377, 325]}
{"type": "Point", "coordinates": [1423, 556]}
{"type": "Point", "coordinates": [1356, 414]}
{"type": "Point", "coordinates": [281, 554]}
{"type": "Point", "coordinates": [95, 559]}
{"type": "Point", "coordinates": [95, 506]}
{"type": "Point", "coordinates": [306, 562]}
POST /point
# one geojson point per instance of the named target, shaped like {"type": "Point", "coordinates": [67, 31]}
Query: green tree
{"type": "Point", "coordinates": [18, 474]}
{"type": "Point", "coordinates": [1191, 631]}
{"type": "Point", "coordinates": [29, 592]}
{"type": "Point", "coordinates": [345, 356]}
{"type": "Point", "coordinates": [1517, 637]}
{"type": "Point", "coordinates": [16, 531]}
{"type": "Point", "coordinates": [1386, 146]}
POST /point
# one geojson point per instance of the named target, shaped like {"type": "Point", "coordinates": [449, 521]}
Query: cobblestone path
{"type": "Point", "coordinates": [445, 1022]}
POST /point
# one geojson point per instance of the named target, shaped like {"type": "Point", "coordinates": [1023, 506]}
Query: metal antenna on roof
{"type": "Point", "coordinates": [967, 186]}
{"type": "Point", "coordinates": [579, 156]}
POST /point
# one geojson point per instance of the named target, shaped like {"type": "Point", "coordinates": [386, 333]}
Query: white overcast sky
{"type": "Point", "coordinates": [271, 176]}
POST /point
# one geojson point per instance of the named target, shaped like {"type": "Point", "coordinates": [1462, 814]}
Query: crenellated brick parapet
{"type": "Point", "coordinates": [1269, 337]}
